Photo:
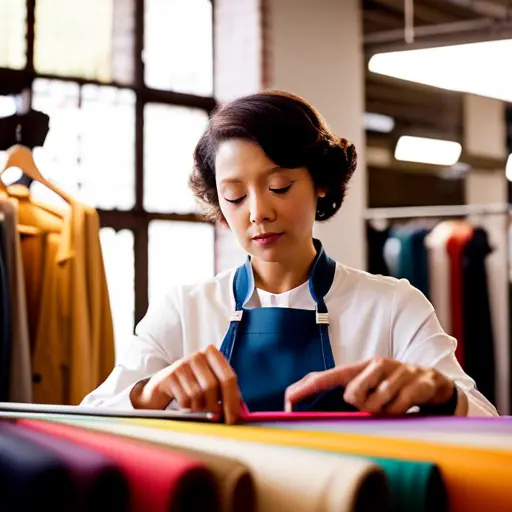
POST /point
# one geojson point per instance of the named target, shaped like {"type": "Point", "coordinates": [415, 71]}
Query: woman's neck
{"type": "Point", "coordinates": [282, 276]}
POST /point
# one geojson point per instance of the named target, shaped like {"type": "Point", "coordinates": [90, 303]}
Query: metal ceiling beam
{"type": "Point", "coordinates": [486, 9]}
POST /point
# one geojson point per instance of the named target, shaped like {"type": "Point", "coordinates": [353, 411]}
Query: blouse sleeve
{"type": "Point", "coordinates": [157, 343]}
{"type": "Point", "coordinates": [419, 339]}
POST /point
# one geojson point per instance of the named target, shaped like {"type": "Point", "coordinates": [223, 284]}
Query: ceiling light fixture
{"type": "Point", "coordinates": [378, 122]}
{"type": "Point", "coordinates": [476, 68]}
{"type": "Point", "coordinates": [508, 168]}
{"type": "Point", "coordinates": [427, 151]}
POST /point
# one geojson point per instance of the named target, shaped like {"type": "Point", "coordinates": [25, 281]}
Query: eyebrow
{"type": "Point", "coordinates": [237, 180]}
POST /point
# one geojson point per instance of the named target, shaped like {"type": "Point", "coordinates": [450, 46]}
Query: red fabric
{"type": "Point", "coordinates": [454, 246]}
{"type": "Point", "coordinates": [160, 480]}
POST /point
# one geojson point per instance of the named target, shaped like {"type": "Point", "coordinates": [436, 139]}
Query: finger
{"type": "Point", "coordinates": [207, 380]}
{"type": "Point", "coordinates": [189, 384]}
{"type": "Point", "coordinates": [358, 389]}
{"type": "Point", "coordinates": [316, 382]}
{"type": "Point", "coordinates": [417, 392]}
{"type": "Point", "coordinates": [177, 391]}
{"type": "Point", "coordinates": [389, 389]}
{"type": "Point", "coordinates": [231, 399]}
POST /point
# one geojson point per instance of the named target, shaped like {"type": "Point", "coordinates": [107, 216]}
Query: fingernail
{"type": "Point", "coordinates": [288, 407]}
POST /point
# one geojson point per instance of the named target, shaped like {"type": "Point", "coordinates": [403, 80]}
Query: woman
{"type": "Point", "coordinates": [290, 328]}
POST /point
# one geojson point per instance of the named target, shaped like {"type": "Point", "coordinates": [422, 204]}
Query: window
{"type": "Point", "coordinates": [179, 253]}
{"type": "Point", "coordinates": [118, 255]}
{"type": "Point", "coordinates": [178, 46]}
{"type": "Point", "coordinates": [171, 134]}
{"type": "Point", "coordinates": [13, 46]}
{"type": "Point", "coordinates": [85, 39]}
{"type": "Point", "coordinates": [128, 88]}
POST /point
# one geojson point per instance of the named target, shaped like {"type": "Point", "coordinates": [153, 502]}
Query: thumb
{"type": "Point", "coordinates": [315, 383]}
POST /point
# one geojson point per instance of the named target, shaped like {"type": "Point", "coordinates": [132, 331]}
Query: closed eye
{"type": "Point", "coordinates": [282, 190]}
{"type": "Point", "coordinates": [235, 201]}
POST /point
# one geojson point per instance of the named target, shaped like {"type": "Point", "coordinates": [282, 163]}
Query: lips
{"type": "Point", "coordinates": [266, 236]}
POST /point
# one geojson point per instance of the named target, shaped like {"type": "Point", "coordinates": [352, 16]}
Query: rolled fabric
{"type": "Point", "coordinates": [475, 478]}
{"type": "Point", "coordinates": [160, 480]}
{"type": "Point", "coordinates": [286, 479]}
{"type": "Point", "coordinates": [100, 484]}
{"type": "Point", "coordinates": [32, 477]}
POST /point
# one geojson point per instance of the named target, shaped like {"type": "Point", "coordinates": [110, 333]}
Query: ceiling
{"type": "Point", "coordinates": [416, 108]}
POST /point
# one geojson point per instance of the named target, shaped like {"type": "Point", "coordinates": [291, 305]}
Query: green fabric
{"type": "Point", "coordinates": [414, 486]}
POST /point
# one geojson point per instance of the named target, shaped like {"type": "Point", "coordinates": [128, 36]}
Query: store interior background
{"type": "Point", "coordinates": [129, 84]}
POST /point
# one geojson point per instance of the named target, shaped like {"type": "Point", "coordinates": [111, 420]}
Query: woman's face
{"type": "Point", "coordinates": [271, 210]}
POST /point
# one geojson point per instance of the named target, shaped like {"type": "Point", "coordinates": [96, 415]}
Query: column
{"type": "Point", "coordinates": [315, 50]}
{"type": "Point", "coordinates": [485, 135]}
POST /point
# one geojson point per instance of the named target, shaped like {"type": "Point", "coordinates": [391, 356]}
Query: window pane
{"type": "Point", "coordinates": [170, 136]}
{"type": "Point", "coordinates": [99, 31]}
{"type": "Point", "coordinates": [179, 253]}
{"type": "Point", "coordinates": [178, 44]}
{"type": "Point", "coordinates": [117, 248]}
{"type": "Point", "coordinates": [13, 45]}
{"type": "Point", "coordinates": [89, 150]}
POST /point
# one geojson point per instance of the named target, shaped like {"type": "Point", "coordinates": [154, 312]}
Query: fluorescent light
{"type": "Point", "coordinates": [475, 68]}
{"type": "Point", "coordinates": [427, 151]}
{"type": "Point", "coordinates": [378, 122]}
{"type": "Point", "coordinates": [508, 168]}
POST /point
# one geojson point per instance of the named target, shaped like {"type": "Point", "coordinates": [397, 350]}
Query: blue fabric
{"type": "Point", "coordinates": [33, 477]}
{"type": "Point", "coordinates": [271, 348]}
{"type": "Point", "coordinates": [5, 324]}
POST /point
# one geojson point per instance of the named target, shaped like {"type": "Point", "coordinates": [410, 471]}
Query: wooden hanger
{"type": "Point", "coordinates": [21, 157]}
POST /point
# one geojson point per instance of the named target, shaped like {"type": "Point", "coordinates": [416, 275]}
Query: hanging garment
{"type": "Point", "coordinates": [412, 262]}
{"type": "Point", "coordinates": [479, 353]}
{"type": "Point", "coordinates": [5, 321]}
{"type": "Point", "coordinates": [439, 272]}
{"type": "Point", "coordinates": [160, 480]}
{"type": "Point", "coordinates": [460, 235]}
{"type": "Point", "coordinates": [376, 240]}
{"type": "Point", "coordinates": [286, 479]}
{"type": "Point", "coordinates": [271, 348]}
{"type": "Point", "coordinates": [32, 477]}
{"type": "Point", "coordinates": [392, 249]}
{"type": "Point", "coordinates": [99, 483]}
{"type": "Point", "coordinates": [20, 380]}
{"type": "Point", "coordinates": [84, 300]}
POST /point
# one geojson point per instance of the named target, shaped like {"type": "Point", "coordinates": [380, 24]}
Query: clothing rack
{"type": "Point", "coordinates": [409, 212]}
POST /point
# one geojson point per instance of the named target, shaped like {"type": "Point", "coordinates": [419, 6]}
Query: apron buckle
{"type": "Point", "coordinates": [236, 316]}
{"type": "Point", "coordinates": [322, 318]}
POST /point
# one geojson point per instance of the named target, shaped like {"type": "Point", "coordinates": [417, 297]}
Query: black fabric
{"type": "Point", "coordinates": [478, 334]}
{"type": "Point", "coordinates": [28, 129]}
{"type": "Point", "coordinates": [13, 81]}
{"type": "Point", "coordinates": [33, 478]}
{"type": "Point", "coordinates": [5, 324]}
{"type": "Point", "coordinates": [375, 262]}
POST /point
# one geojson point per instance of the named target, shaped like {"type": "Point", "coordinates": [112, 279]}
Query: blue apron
{"type": "Point", "coordinates": [271, 348]}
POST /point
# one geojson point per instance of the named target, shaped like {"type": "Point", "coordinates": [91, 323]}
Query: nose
{"type": "Point", "coordinates": [261, 209]}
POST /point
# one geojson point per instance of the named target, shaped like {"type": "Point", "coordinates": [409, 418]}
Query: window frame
{"type": "Point", "coordinates": [137, 219]}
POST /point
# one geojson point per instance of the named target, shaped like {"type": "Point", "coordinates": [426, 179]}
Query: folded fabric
{"type": "Point", "coordinates": [286, 479]}
{"type": "Point", "coordinates": [160, 480]}
{"type": "Point", "coordinates": [32, 477]}
{"type": "Point", "coordinates": [475, 478]}
{"type": "Point", "coordinates": [100, 484]}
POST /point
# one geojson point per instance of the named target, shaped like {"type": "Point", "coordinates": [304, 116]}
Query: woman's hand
{"type": "Point", "coordinates": [379, 385]}
{"type": "Point", "coordinates": [197, 382]}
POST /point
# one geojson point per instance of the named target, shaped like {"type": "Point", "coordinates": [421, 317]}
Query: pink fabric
{"type": "Point", "coordinates": [252, 417]}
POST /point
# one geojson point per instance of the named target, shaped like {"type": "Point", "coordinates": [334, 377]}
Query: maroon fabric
{"type": "Point", "coordinates": [160, 480]}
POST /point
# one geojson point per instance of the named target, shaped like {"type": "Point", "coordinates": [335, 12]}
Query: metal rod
{"type": "Point", "coordinates": [457, 27]}
{"type": "Point", "coordinates": [409, 21]}
{"type": "Point", "coordinates": [437, 211]}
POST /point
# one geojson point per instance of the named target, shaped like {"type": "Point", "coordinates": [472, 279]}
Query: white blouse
{"type": "Point", "coordinates": [370, 316]}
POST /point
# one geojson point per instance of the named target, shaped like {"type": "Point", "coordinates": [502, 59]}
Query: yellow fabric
{"type": "Point", "coordinates": [73, 349]}
{"type": "Point", "coordinates": [476, 478]}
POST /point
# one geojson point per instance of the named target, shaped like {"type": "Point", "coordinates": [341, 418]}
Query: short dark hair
{"type": "Point", "coordinates": [291, 133]}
